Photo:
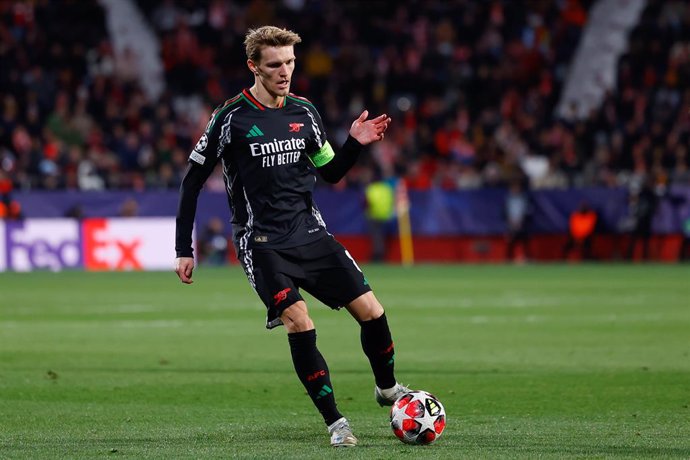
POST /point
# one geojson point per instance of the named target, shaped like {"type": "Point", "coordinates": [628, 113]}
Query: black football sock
{"type": "Point", "coordinates": [313, 372]}
{"type": "Point", "coordinates": [378, 346]}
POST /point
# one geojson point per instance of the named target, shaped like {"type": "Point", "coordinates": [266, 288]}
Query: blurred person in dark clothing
{"type": "Point", "coordinates": [643, 204]}
{"type": "Point", "coordinates": [517, 214]}
{"type": "Point", "coordinates": [213, 244]}
{"type": "Point", "coordinates": [685, 243]}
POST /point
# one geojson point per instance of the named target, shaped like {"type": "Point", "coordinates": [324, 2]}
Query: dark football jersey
{"type": "Point", "coordinates": [268, 157]}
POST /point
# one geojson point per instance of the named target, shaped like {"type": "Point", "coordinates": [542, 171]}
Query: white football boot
{"type": "Point", "coordinates": [341, 434]}
{"type": "Point", "coordinates": [388, 396]}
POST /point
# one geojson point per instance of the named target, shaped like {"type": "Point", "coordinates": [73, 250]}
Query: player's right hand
{"type": "Point", "coordinates": [184, 266]}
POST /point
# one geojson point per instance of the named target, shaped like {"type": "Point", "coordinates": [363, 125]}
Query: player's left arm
{"type": "Point", "coordinates": [368, 131]}
{"type": "Point", "coordinates": [362, 132]}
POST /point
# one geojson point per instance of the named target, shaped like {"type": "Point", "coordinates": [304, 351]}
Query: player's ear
{"type": "Point", "coordinates": [252, 67]}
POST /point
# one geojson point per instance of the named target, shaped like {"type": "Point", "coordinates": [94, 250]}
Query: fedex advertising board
{"type": "Point", "coordinates": [92, 244]}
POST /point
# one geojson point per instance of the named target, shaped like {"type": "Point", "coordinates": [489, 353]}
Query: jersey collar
{"type": "Point", "coordinates": [254, 102]}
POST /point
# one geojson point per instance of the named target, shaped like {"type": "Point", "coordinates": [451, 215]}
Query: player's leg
{"type": "Point", "coordinates": [309, 364]}
{"type": "Point", "coordinates": [375, 336]}
{"type": "Point", "coordinates": [312, 370]}
{"type": "Point", "coordinates": [336, 280]}
{"type": "Point", "coordinates": [273, 277]}
{"type": "Point", "coordinates": [377, 344]}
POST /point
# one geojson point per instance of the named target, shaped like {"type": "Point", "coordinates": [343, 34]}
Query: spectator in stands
{"type": "Point", "coordinates": [129, 208]}
{"type": "Point", "coordinates": [83, 96]}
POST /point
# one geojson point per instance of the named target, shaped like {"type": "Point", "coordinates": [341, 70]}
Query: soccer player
{"type": "Point", "coordinates": [271, 143]}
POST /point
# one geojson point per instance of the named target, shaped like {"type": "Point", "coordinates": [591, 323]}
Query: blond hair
{"type": "Point", "coordinates": [256, 39]}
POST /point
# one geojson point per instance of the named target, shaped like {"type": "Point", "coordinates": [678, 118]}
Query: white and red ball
{"type": "Point", "coordinates": [418, 417]}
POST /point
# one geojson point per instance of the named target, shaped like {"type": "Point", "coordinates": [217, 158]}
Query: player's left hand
{"type": "Point", "coordinates": [368, 131]}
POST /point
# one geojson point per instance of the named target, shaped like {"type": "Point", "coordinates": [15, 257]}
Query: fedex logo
{"type": "Point", "coordinates": [128, 244]}
{"type": "Point", "coordinates": [42, 244]}
{"type": "Point", "coordinates": [107, 250]}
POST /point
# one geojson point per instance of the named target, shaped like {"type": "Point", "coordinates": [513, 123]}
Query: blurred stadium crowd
{"type": "Point", "coordinates": [471, 86]}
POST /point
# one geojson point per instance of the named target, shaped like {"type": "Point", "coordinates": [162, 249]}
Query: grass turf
{"type": "Point", "coordinates": [539, 361]}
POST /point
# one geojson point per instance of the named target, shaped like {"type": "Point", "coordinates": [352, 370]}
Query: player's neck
{"type": "Point", "coordinates": [265, 98]}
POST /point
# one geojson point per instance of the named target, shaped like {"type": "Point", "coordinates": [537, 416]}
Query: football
{"type": "Point", "coordinates": [418, 417]}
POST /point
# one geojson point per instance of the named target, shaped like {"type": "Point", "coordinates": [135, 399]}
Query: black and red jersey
{"type": "Point", "coordinates": [269, 157]}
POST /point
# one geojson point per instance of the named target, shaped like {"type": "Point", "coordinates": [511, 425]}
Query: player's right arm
{"type": "Point", "coordinates": [193, 181]}
{"type": "Point", "coordinates": [202, 160]}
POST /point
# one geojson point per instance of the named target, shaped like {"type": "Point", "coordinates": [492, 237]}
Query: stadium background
{"type": "Point", "coordinates": [101, 101]}
{"type": "Point", "coordinates": [537, 360]}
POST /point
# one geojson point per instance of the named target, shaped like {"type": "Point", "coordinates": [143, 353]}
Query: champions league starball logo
{"type": "Point", "coordinates": [201, 145]}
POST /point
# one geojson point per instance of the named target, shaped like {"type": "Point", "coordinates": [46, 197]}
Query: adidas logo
{"type": "Point", "coordinates": [255, 132]}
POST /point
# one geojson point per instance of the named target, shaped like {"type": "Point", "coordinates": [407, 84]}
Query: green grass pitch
{"type": "Point", "coordinates": [550, 361]}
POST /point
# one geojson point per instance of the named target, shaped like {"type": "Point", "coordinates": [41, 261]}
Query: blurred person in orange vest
{"type": "Point", "coordinates": [9, 209]}
{"type": "Point", "coordinates": [581, 228]}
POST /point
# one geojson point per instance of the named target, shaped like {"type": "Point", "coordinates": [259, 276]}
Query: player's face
{"type": "Point", "coordinates": [274, 71]}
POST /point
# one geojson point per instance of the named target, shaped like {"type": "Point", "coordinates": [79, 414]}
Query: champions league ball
{"type": "Point", "coordinates": [418, 417]}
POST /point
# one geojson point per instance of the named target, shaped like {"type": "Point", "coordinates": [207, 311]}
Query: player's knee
{"type": "Point", "coordinates": [371, 312]}
{"type": "Point", "coordinates": [298, 324]}
{"type": "Point", "coordinates": [366, 307]}
{"type": "Point", "coordinates": [296, 318]}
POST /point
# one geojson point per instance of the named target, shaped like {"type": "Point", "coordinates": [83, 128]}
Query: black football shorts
{"type": "Point", "coordinates": [324, 268]}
